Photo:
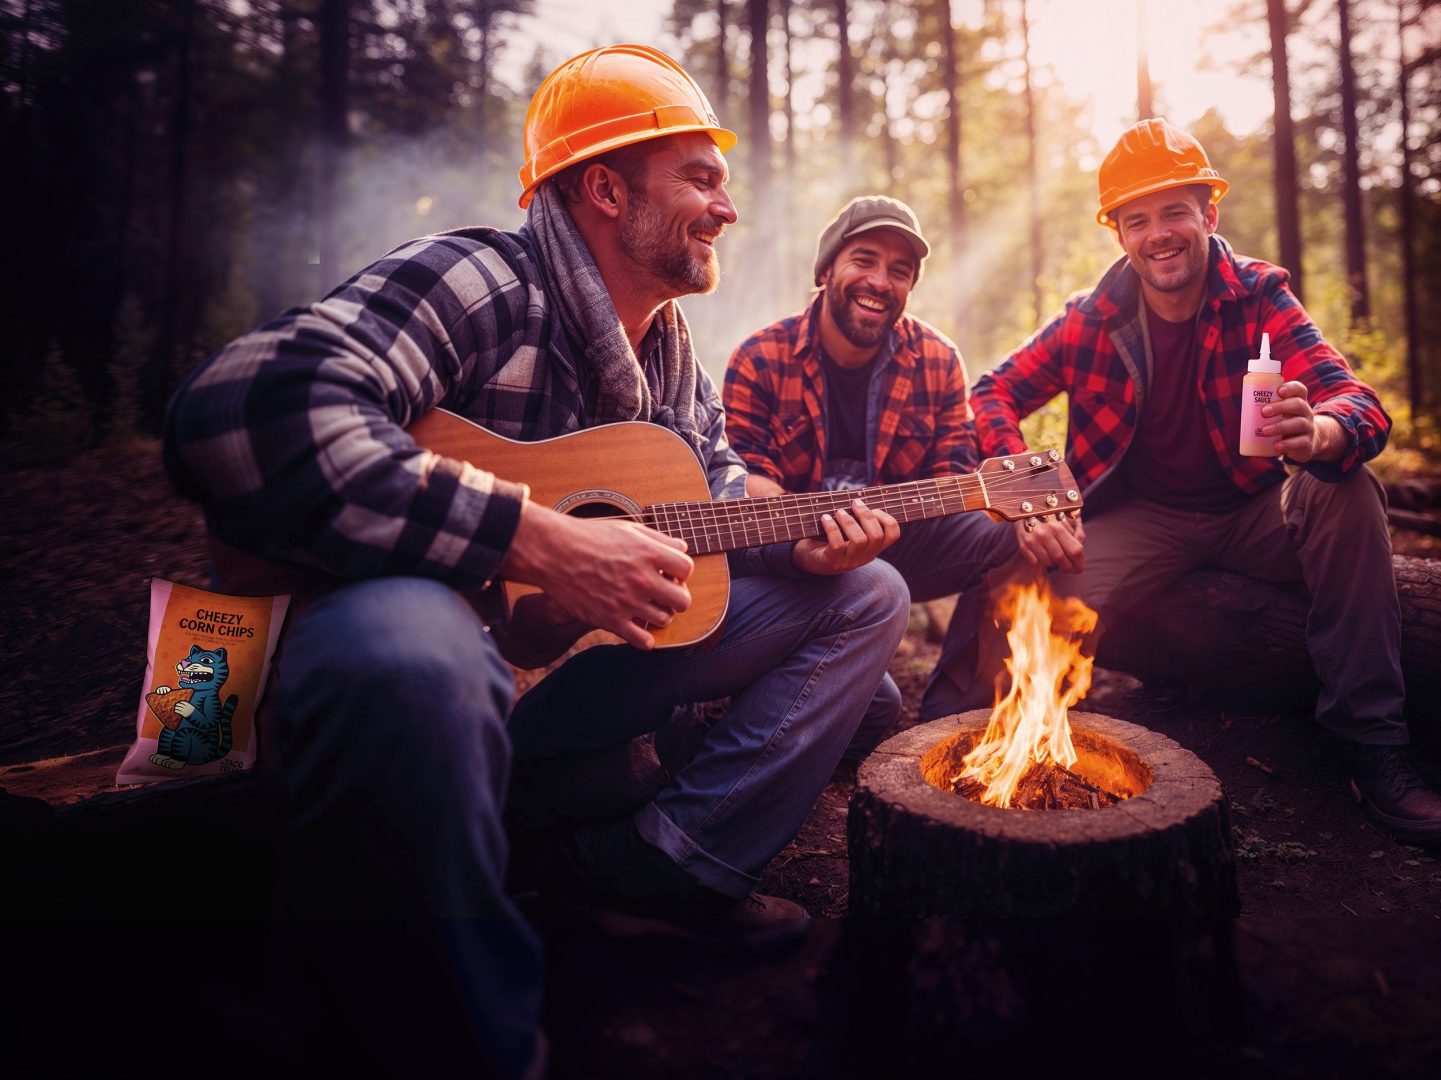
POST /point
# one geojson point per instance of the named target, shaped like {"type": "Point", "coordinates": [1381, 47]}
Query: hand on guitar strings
{"type": "Point", "coordinates": [612, 575]}
{"type": "Point", "coordinates": [852, 538]}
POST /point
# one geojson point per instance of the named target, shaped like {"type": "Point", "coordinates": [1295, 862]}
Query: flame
{"type": "Point", "coordinates": [1049, 674]}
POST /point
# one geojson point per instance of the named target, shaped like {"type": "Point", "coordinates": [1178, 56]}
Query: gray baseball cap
{"type": "Point", "coordinates": [866, 212]}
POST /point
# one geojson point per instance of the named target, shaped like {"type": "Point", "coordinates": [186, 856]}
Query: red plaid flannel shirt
{"type": "Point", "coordinates": [774, 400]}
{"type": "Point", "coordinates": [1095, 352]}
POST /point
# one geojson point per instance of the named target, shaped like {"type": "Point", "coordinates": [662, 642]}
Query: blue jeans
{"type": "Point", "coordinates": [392, 753]}
{"type": "Point", "coordinates": [936, 558]}
{"type": "Point", "coordinates": [800, 660]}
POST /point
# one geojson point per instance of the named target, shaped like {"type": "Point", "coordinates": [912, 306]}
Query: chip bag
{"type": "Point", "coordinates": [207, 663]}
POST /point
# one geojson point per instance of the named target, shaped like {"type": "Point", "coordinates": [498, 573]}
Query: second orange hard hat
{"type": "Point", "coordinates": [605, 99]}
{"type": "Point", "coordinates": [1152, 156]}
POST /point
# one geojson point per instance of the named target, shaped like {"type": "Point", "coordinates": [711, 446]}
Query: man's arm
{"type": "Point", "coordinates": [750, 403]}
{"type": "Point", "coordinates": [1020, 384]}
{"type": "Point", "coordinates": [956, 448]}
{"type": "Point", "coordinates": [1326, 418]}
{"type": "Point", "coordinates": [293, 435]}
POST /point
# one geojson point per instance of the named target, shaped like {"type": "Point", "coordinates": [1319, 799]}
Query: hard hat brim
{"type": "Point", "coordinates": [724, 138]}
{"type": "Point", "coordinates": [1218, 188]}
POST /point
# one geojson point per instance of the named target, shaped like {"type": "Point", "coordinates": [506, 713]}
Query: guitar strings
{"type": "Point", "coordinates": [750, 522]}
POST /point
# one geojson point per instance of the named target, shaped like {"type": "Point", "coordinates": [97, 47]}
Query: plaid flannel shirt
{"type": "Point", "coordinates": [1095, 350]}
{"type": "Point", "coordinates": [293, 435]}
{"type": "Point", "coordinates": [775, 405]}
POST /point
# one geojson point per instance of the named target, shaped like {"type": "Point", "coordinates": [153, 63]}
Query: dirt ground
{"type": "Point", "coordinates": [1319, 995]}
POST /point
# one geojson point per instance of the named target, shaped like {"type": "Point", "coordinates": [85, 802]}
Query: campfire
{"type": "Point", "coordinates": [933, 828]}
{"type": "Point", "coordinates": [1025, 758]}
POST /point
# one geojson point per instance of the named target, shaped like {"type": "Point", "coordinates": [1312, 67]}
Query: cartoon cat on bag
{"type": "Point", "coordinates": [203, 733]}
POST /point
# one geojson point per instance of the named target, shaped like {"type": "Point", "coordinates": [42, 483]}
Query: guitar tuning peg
{"type": "Point", "coordinates": [1030, 525]}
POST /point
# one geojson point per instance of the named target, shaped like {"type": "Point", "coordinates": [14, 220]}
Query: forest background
{"type": "Point", "coordinates": [179, 171]}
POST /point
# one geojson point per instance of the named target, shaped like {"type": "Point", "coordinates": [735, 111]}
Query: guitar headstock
{"type": "Point", "coordinates": [1030, 486]}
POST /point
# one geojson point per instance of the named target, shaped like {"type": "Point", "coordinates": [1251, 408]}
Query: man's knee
{"type": "Point", "coordinates": [876, 593]}
{"type": "Point", "coordinates": [1356, 497]}
{"type": "Point", "coordinates": [408, 654]}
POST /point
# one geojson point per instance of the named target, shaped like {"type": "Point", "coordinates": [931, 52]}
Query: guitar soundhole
{"type": "Point", "coordinates": [595, 510]}
{"type": "Point", "coordinates": [597, 503]}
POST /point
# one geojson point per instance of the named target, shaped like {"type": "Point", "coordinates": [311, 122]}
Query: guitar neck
{"type": "Point", "coordinates": [711, 527]}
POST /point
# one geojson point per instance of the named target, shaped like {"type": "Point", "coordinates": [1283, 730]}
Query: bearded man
{"type": "Point", "coordinates": [391, 698]}
{"type": "Point", "coordinates": [853, 391]}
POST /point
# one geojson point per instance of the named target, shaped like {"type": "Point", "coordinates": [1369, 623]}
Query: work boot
{"type": "Point", "coordinates": [754, 925]}
{"type": "Point", "coordinates": [1394, 796]}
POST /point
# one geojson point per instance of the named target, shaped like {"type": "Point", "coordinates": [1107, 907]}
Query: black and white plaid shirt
{"type": "Point", "coordinates": [293, 435]}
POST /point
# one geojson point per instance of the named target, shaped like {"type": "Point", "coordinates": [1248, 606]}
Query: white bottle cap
{"type": "Point", "coordinates": [1264, 361]}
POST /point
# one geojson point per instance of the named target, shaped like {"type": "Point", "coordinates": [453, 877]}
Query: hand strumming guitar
{"type": "Point", "coordinates": [607, 575]}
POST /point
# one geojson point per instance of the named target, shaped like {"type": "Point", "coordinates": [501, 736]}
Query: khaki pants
{"type": "Point", "coordinates": [1331, 537]}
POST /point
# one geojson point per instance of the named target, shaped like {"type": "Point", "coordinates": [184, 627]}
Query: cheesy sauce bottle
{"type": "Point", "coordinates": [1258, 388]}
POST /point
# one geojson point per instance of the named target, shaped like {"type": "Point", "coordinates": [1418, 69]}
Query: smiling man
{"type": "Point", "coordinates": [1152, 359]}
{"type": "Point", "coordinates": [852, 391]}
{"type": "Point", "coordinates": [393, 727]}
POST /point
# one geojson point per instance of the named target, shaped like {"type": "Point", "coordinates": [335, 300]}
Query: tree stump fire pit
{"type": "Point", "coordinates": [919, 849]}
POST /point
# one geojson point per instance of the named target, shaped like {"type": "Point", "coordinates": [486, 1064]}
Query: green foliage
{"type": "Point", "coordinates": [166, 168]}
{"type": "Point", "coordinates": [1045, 429]}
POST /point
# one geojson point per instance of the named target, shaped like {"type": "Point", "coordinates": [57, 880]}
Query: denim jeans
{"type": "Point", "coordinates": [392, 753]}
{"type": "Point", "coordinates": [936, 558]}
{"type": "Point", "coordinates": [800, 660]}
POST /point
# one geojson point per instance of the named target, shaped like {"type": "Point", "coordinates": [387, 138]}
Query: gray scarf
{"type": "Point", "coordinates": [590, 317]}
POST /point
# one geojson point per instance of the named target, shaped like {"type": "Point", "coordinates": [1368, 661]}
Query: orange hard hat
{"type": "Point", "coordinates": [1153, 156]}
{"type": "Point", "coordinates": [605, 99]}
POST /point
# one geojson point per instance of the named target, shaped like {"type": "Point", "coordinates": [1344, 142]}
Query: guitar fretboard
{"type": "Point", "coordinates": [711, 527]}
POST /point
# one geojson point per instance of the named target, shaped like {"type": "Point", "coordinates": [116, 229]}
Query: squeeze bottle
{"type": "Point", "coordinates": [1258, 388]}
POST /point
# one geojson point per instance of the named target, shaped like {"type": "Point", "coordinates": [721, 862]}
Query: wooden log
{"type": "Point", "coordinates": [187, 848]}
{"type": "Point", "coordinates": [1217, 629]}
{"type": "Point", "coordinates": [918, 851]}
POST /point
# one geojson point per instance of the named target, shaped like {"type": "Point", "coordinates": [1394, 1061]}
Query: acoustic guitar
{"type": "Point", "coordinates": [635, 471]}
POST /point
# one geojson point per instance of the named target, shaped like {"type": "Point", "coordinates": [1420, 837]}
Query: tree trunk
{"type": "Point", "coordinates": [1145, 99]}
{"type": "Point", "coordinates": [758, 12]}
{"type": "Point", "coordinates": [1032, 188]}
{"type": "Point", "coordinates": [722, 61]}
{"type": "Point", "coordinates": [1215, 629]}
{"type": "Point", "coordinates": [484, 18]}
{"type": "Point", "coordinates": [988, 996]}
{"type": "Point", "coordinates": [845, 77]}
{"type": "Point", "coordinates": [157, 386]}
{"type": "Point", "coordinates": [334, 132]}
{"type": "Point", "coordinates": [1414, 389]}
{"type": "Point", "coordinates": [917, 850]}
{"type": "Point", "coordinates": [955, 189]}
{"type": "Point", "coordinates": [1351, 190]}
{"type": "Point", "coordinates": [1283, 147]}
{"type": "Point", "coordinates": [790, 105]}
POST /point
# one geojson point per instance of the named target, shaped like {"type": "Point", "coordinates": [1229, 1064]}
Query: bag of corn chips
{"type": "Point", "coordinates": [207, 662]}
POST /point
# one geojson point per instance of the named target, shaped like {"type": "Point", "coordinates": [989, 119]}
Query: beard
{"type": "Point", "coordinates": [862, 334]}
{"type": "Point", "coordinates": [646, 237]}
{"type": "Point", "coordinates": [1177, 274]}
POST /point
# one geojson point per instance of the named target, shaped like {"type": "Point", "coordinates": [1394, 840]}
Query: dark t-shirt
{"type": "Point", "coordinates": [1171, 460]}
{"type": "Point", "coordinates": [846, 393]}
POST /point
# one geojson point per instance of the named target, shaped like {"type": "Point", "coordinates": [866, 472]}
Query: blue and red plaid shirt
{"type": "Point", "coordinates": [775, 404]}
{"type": "Point", "coordinates": [293, 436]}
{"type": "Point", "coordinates": [1095, 351]}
